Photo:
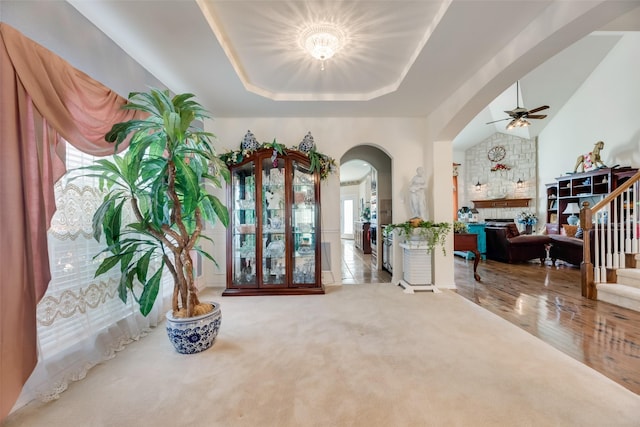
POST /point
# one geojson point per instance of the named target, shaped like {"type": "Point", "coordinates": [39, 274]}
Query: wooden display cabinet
{"type": "Point", "coordinates": [273, 240]}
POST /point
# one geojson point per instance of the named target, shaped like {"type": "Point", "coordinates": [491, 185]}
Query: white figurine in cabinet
{"type": "Point", "coordinates": [274, 199]}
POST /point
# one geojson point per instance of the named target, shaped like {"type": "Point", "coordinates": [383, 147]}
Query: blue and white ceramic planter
{"type": "Point", "coordinates": [249, 142]}
{"type": "Point", "coordinates": [307, 143]}
{"type": "Point", "coordinates": [194, 334]}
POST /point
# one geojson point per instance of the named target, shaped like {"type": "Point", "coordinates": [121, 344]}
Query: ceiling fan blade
{"type": "Point", "coordinates": [516, 111]}
{"type": "Point", "coordinates": [535, 110]}
{"type": "Point", "coordinates": [536, 116]}
{"type": "Point", "coordinates": [501, 120]}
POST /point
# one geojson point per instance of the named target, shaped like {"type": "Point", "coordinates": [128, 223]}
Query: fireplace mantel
{"type": "Point", "coordinates": [501, 203]}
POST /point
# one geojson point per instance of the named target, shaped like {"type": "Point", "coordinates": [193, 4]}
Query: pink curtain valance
{"type": "Point", "coordinates": [43, 98]}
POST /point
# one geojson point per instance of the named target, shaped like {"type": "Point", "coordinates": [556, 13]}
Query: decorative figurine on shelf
{"type": "Point", "coordinates": [307, 143]}
{"type": "Point", "coordinates": [592, 160]}
{"type": "Point", "coordinates": [249, 142]}
{"type": "Point", "coordinates": [474, 215]}
{"type": "Point", "coordinates": [274, 199]}
{"type": "Point", "coordinates": [463, 214]}
{"type": "Point", "coordinates": [417, 201]}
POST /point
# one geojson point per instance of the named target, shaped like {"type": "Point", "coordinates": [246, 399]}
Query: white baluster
{"type": "Point", "coordinates": [603, 245]}
{"type": "Point", "coordinates": [606, 238]}
{"type": "Point", "coordinates": [615, 250]}
{"type": "Point", "coordinates": [627, 203]}
{"type": "Point", "coordinates": [596, 249]}
{"type": "Point", "coordinates": [634, 230]}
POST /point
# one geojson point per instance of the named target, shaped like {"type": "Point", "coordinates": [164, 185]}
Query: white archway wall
{"type": "Point", "coordinates": [402, 138]}
{"type": "Point", "coordinates": [379, 160]}
{"type": "Point", "coordinates": [441, 156]}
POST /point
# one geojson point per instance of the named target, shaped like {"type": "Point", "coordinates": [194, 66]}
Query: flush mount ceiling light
{"type": "Point", "coordinates": [322, 41]}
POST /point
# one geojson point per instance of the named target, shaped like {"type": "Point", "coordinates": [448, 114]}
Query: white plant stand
{"type": "Point", "coordinates": [416, 263]}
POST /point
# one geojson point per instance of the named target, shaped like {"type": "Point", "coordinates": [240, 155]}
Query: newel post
{"type": "Point", "coordinates": [586, 268]}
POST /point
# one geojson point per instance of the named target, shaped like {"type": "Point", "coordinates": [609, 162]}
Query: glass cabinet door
{"type": "Point", "coordinates": [303, 225]}
{"type": "Point", "coordinates": [274, 247]}
{"type": "Point", "coordinates": [243, 232]}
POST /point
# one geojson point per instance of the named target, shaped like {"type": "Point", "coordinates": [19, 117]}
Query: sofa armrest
{"type": "Point", "coordinates": [497, 243]}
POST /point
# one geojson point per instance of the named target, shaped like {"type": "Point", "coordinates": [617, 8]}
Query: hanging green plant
{"type": "Point", "coordinates": [432, 234]}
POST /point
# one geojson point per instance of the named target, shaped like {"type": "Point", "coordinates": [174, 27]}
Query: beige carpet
{"type": "Point", "coordinates": [361, 355]}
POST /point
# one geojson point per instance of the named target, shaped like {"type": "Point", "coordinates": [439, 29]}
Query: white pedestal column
{"type": "Point", "coordinates": [416, 263]}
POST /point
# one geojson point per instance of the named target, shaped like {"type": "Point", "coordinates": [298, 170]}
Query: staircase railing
{"type": "Point", "coordinates": [616, 225]}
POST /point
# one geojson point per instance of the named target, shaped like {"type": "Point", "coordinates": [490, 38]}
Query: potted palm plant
{"type": "Point", "coordinates": [161, 178]}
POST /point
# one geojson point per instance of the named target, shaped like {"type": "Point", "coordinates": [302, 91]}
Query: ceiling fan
{"type": "Point", "coordinates": [519, 115]}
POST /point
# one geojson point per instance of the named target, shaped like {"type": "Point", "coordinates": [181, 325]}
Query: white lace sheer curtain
{"type": "Point", "coordinates": [81, 319]}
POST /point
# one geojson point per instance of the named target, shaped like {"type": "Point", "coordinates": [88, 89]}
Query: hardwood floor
{"type": "Point", "coordinates": [544, 301]}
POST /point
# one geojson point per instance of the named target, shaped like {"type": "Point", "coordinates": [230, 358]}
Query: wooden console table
{"type": "Point", "coordinates": [468, 242]}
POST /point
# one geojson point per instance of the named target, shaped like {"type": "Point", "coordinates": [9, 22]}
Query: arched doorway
{"type": "Point", "coordinates": [365, 193]}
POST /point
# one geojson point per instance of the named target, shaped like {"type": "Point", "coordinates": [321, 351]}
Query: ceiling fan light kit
{"type": "Point", "coordinates": [518, 123]}
{"type": "Point", "coordinates": [519, 115]}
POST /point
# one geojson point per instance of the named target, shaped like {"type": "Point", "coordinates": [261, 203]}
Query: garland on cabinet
{"type": "Point", "coordinates": [319, 162]}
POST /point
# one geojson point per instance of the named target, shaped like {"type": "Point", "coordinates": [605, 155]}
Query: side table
{"type": "Point", "coordinates": [468, 242]}
{"type": "Point", "coordinates": [475, 228]}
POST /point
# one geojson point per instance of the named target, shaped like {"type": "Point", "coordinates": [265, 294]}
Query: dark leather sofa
{"type": "Point", "coordinates": [568, 249]}
{"type": "Point", "coordinates": [506, 244]}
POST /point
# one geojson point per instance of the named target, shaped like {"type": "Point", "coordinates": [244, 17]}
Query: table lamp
{"type": "Point", "coordinates": [573, 209]}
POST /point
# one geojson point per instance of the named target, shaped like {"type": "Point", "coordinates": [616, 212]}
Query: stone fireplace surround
{"type": "Point", "coordinates": [520, 157]}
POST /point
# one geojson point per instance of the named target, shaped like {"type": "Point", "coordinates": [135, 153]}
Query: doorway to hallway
{"type": "Point", "coordinates": [365, 197]}
{"type": "Point", "coordinates": [357, 267]}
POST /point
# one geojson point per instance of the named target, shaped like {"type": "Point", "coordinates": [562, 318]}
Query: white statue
{"type": "Point", "coordinates": [417, 201]}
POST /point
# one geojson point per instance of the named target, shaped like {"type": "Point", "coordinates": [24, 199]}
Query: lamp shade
{"type": "Point", "coordinates": [572, 208]}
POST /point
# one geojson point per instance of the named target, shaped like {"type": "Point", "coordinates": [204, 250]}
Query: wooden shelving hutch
{"type": "Point", "coordinates": [589, 186]}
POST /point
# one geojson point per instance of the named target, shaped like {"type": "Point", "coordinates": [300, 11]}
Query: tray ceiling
{"type": "Point", "coordinates": [402, 58]}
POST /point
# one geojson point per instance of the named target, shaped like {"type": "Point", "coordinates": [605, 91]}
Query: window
{"type": "Point", "coordinates": [81, 319]}
{"type": "Point", "coordinates": [347, 216]}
